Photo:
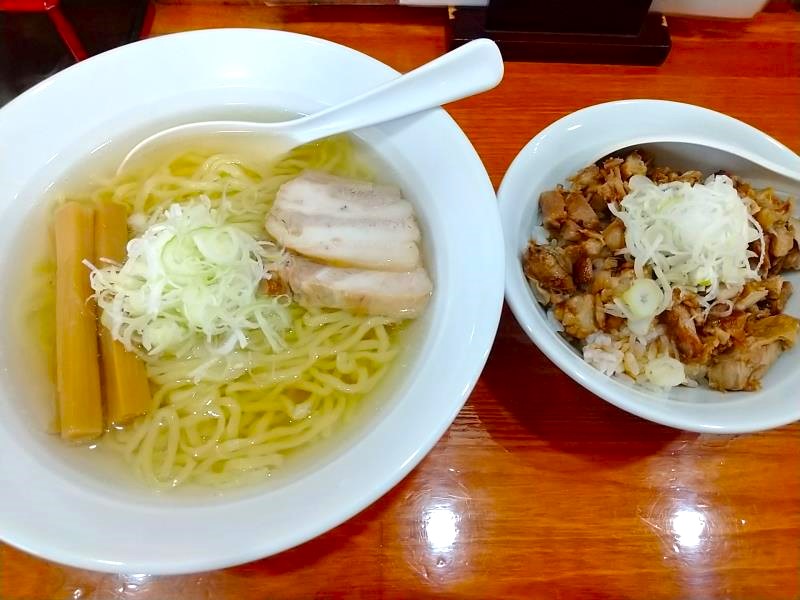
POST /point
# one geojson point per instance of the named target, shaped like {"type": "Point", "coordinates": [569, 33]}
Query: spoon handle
{"type": "Point", "coordinates": [470, 69]}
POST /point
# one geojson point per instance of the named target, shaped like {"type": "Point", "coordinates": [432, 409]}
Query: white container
{"type": "Point", "coordinates": [725, 9]}
{"type": "Point", "coordinates": [570, 144]}
{"type": "Point", "coordinates": [50, 506]}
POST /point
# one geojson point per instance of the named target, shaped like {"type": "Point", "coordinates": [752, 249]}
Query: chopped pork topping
{"type": "Point", "coordinates": [584, 270]}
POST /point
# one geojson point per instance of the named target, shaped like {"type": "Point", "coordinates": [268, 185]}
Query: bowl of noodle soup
{"type": "Point", "coordinates": [321, 403]}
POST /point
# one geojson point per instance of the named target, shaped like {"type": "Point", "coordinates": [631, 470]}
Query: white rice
{"type": "Point", "coordinates": [604, 353]}
{"type": "Point", "coordinates": [626, 356]}
{"type": "Point", "coordinates": [540, 235]}
{"type": "Point", "coordinates": [555, 323]}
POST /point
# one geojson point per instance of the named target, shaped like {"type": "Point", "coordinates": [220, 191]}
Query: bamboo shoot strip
{"type": "Point", "coordinates": [125, 386]}
{"type": "Point", "coordinates": [77, 370]}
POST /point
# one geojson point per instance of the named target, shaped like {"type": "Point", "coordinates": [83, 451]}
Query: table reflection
{"type": "Point", "coordinates": [441, 527]}
{"type": "Point", "coordinates": [442, 530]}
{"type": "Point", "coordinates": [688, 526]}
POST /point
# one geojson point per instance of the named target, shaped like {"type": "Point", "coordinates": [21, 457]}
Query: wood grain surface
{"type": "Point", "coordinates": [539, 489]}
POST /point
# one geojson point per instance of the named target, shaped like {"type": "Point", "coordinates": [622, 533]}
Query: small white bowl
{"type": "Point", "coordinates": [58, 507]}
{"type": "Point", "coordinates": [579, 139]}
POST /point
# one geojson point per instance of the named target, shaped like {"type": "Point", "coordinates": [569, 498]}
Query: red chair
{"type": "Point", "coordinates": [64, 28]}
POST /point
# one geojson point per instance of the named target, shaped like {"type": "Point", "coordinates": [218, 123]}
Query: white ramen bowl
{"type": "Point", "coordinates": [581, 138]}
{"type": "Point", "coordinates": [59, 505]}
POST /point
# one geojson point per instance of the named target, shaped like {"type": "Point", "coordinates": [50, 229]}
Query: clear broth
{"type": "Point", "coordinates": [31, 324]}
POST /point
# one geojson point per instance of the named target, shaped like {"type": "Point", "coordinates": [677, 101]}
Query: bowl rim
{"type": "Point", "coordinates": [628, 398]}
{"type": "Point", "coordinates": [481, 334]}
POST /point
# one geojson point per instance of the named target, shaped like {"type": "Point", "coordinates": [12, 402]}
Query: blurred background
{"type": "Point", "coordinates": [40, 37]}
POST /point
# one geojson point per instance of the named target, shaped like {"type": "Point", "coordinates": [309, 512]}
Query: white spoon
{"type": "Point", "coordinates": [683, 153]}
{"type": "Point", "coordinates": [470, 69]}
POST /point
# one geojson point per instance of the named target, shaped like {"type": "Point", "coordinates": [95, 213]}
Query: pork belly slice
{"type": "Point", "coordinates": [394, 294]}
{"type": "Point", "coordinates": [346, 222]}
{"type": "Point", "coordinates": [743, 367]}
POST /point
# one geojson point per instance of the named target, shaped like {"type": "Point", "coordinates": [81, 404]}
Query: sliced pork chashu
{"type": "Point", "coordinates": [394, 294]}
{"type": "Point", "coordinates": [346, 222]}
{"type": "Point", "coordinates": [352, 245]}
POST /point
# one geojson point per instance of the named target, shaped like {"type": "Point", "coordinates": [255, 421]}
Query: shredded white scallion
{"type": "Point", "coordinates": [191, 275]}
{"type": "Point", "coordinates": [693, 236]}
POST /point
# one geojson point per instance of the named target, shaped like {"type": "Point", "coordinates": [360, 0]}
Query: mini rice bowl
{"type": "Point", "coordinates": [583, 137]}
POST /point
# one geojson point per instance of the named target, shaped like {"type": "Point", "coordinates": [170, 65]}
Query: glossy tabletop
{"type": "Point", "coordinates": [539, 489]}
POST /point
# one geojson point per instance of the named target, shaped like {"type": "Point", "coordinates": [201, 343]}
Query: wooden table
{"type": "Point", "coordinates": [539, 489]}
